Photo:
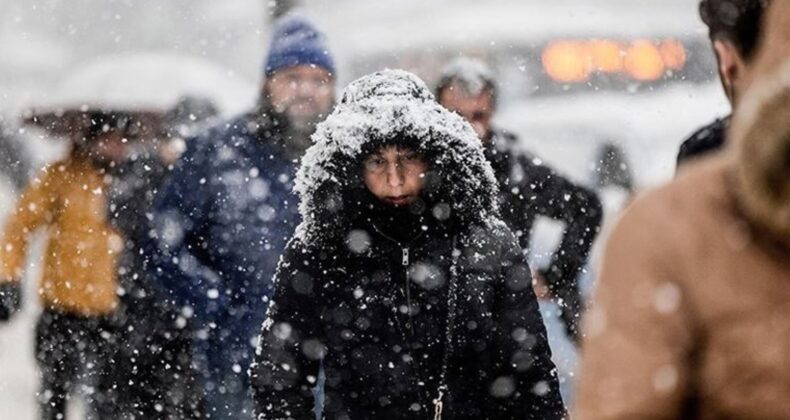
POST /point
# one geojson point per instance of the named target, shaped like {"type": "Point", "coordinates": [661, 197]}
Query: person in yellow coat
{"type": "Point", "coordinates": [78, 288]}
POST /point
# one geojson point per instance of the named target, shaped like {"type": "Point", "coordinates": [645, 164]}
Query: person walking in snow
{"type": "Point", "coordinates": [227, 211]}
{"type": "Point", "coordinates": [153, 368]}
{"type": "Point", "coordinates": [528, 188]}
{"type": "Point", "coordinates": [75, 335]}
{"type": "Point", "coordinates": [402, 280]}
{"type": "Point", "coordinates": [690, 319]}
{"type": "Point", "coordinates": [734, 27]}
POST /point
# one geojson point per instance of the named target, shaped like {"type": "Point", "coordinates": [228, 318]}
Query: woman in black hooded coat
{"type": "Point", "coordinates": [377, 290]}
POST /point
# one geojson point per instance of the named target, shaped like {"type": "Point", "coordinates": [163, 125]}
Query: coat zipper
{"type": "Point", "coordinates": [405, 260]}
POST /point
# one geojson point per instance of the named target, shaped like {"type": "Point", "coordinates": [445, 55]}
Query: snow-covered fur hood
{"type": "Point", "coordinates": [387, 107]}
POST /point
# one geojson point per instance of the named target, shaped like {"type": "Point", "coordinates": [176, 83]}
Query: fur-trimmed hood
{"type": "Point", "coordinates": [392, 106]}
{"type": "Point", "coordinates": [761, 141]}
{"type": "Point", "coordinates": [760, 132]}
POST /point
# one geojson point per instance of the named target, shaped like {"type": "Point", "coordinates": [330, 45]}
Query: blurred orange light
{"type": "Point", "coordinates": [673, 53]}
{"type": "Point", "coordinates": [566, 61]}
{"type": "Point", "coordinates": [607, 56]}
{"type": "Point", "coordinates": [643, 61]}
{"type": "Point", "coordinates": [574, 61]}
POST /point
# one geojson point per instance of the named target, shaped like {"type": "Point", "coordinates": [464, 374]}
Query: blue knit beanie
{"type": "Point", "coordinates": [296, 41]}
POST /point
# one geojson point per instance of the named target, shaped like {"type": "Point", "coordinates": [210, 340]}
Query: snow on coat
{"type": "Point", "coordinates": [370, 297]}
{"type": "Point", "coordinates": [220, 224]}
{"type": "Point", "coordinates": [529, 189]}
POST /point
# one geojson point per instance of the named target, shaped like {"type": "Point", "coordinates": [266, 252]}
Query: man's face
{"type": "Point", "coordinates": [303, 94]}
{"type": "Point", "coordinates": [478, 109]}
{"type": "Point", "coordinates": [109, 147]}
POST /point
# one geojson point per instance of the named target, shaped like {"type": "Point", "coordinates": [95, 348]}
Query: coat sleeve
{"type": "Point", "coordinates": [638, 344]}
{"type": "Point", "coordinates": [34, 209]}
{"type": "Point", "coordinates": [580, 210]}
{"type": "Point", "coordinates": [522, 357]}
{"type": "Point", "coordinates": [180, 256]}
{"type": "Point", "coordinates": [290, 347]}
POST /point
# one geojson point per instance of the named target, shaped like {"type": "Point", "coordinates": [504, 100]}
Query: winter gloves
{"type": "Point", "coordinates": [10, 299]}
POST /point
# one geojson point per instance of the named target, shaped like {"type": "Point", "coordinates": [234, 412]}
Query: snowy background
{"type": "Point", "coordinates": [44, 42]}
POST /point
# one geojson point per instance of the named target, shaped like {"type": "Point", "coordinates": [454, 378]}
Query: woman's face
{"type": "Point", "coordinates": [395, 175]}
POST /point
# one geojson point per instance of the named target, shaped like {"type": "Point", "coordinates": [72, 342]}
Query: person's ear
{"type": "Point", "coordinates": [731, 67]}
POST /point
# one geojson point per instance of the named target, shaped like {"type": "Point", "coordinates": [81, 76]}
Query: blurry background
{"type": "Point", "coordinates": [578, 80]}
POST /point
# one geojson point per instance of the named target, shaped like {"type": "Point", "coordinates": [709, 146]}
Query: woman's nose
{"type": "Point", "coordinates": [394, 175]}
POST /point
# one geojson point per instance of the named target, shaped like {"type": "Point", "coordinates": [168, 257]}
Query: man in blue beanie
{"type": "Point", "coordinates": [223, 218]}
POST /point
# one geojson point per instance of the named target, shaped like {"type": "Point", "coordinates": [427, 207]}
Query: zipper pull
{"type": "Point", "coordinates": [438, 405]}
{"type": "Point", "coordinates": [405, 256]}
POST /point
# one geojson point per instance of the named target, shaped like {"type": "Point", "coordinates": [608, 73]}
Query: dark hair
{"type": "Point", "coordinates": [737, 21]}
{"type": "Point", "coordinates": [102, 122]}
{"type": "Point", "coordinates": [398, 142]}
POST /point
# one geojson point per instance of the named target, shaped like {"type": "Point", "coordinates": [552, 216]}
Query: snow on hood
{"type": "Point", "coordinates": [374, 111]}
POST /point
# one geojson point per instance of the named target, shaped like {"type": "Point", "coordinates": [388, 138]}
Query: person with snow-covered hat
{"type": "Point", "coordinates": [401, 280]}
{"type": "Point", "coordinates": [224, 216]}
{"type": "Point", "coordinates": [528, 187]}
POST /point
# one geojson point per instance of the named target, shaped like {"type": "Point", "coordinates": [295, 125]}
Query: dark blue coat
{"type": "Point", "coordinates": [220, 224]}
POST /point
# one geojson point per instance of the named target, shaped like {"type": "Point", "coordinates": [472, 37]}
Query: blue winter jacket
{"type": "Point", "coordinates": [219, 226]}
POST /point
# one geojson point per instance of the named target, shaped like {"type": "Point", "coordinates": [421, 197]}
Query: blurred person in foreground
{"type": "Point", "coordinates": [528, 188]}
{"type": "Point", "coordinates": [402, 280]}
{"type": "Point", "coordinates": [734, 27]}
{"type": "Point", "coordinates": [153, 371]}
{"type": "Point", "coordinates": [75, 334]}
{"type": "Point", "coordinates": [223, 218]}
{"type": "Point", "coordinates": [691, 316]}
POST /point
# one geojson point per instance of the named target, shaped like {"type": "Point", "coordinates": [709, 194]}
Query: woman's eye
{"type": "Point", "coordinates": [374, 163]}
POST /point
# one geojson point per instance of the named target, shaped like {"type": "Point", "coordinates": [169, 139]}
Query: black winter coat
{"type": "Point", "coordinates": [384, 360]}
{"type": "Point", "coordinates": [706, 140]}
{"type": "Point", "coordinates": [529, 189]}
{"type": "Point", "coordinates": [371, 292]}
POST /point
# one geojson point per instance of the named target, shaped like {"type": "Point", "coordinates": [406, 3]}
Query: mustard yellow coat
{"type": "Point", "coordinates": [68, 199]}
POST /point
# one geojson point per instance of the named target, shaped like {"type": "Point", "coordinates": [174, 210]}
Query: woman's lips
{"type": "Point", "coordinates": [400, 200]}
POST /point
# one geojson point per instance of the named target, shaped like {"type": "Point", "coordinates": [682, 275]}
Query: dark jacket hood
{"type": "Point", "coordinates": [385, 108]}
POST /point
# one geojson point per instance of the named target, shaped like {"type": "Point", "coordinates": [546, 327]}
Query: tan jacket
{"type": "Point", "coordinates": [690, 306]}
{"type": "Point", "coordinates": [79, 272]}
{"type": "Point", "coordinates": [691, 318]}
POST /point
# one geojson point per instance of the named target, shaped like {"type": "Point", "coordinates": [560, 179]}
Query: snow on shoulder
{"type": "Point", "coordinates": [374, 111]}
